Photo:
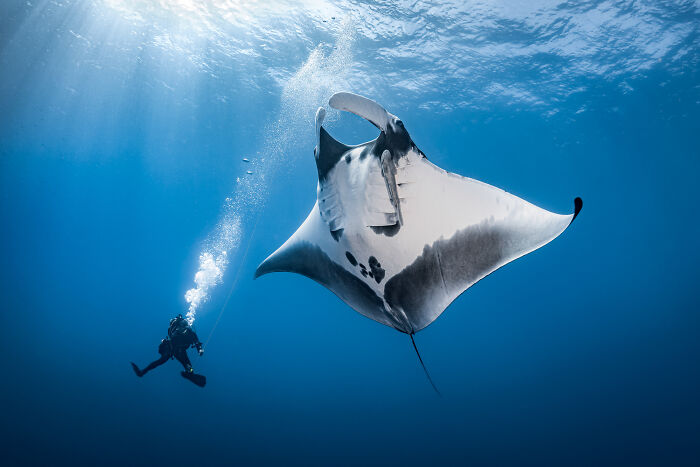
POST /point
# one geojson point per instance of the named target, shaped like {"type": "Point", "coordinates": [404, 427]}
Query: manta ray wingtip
{"type": "Point", "coordinates": [578, 205]}
{"type": "Point", "coordinates": [260, 271]}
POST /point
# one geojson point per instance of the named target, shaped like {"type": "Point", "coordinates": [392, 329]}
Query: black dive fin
{"type": "Point", "coordinates": [424, 368]}
{"type": "Point", "coordinates": [199, 380]}
{"type": "Point", "coordinates": [136, 369]}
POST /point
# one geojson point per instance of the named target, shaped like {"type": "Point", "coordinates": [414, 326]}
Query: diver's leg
{"type": "Point", "coordinates": [181, 356]}
{"type": "Point", "coordinates": [152, 365]}
{"type": "Point", "coordinates": [199, 380]}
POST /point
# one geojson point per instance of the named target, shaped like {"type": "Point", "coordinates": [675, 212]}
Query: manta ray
{"type": "Point", "coordinates": [396, 237]}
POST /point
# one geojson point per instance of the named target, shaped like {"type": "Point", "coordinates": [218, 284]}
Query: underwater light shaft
{"type": "Point", "coordinates": [313, 83]}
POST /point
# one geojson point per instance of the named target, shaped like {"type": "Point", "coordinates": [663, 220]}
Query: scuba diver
{"type": "Point", "coordinates": [181, 337]}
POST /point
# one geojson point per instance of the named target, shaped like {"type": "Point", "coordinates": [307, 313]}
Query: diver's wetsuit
{"type": "Point", "coordinates": [168, 351]}
{"type": "Point", "coordinates": [181, 337]}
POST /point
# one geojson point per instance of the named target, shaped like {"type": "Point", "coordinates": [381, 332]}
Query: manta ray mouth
{"type": "Point", "coordinates": [393, 133]}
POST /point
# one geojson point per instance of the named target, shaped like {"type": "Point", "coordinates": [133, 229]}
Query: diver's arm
{"type": "Point", "coordinates": [197, 344]}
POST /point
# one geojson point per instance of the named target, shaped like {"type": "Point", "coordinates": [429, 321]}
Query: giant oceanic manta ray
{"type": "Point", "coordinates": [398, 238]}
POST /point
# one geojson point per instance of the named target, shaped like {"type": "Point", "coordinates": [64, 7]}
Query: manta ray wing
{"type": "Point", "coordinates": [398, 238]}
{"type": "Point", "coordinates": [465, 229]}
{"type": "Point", "coordinates": [307, 253]}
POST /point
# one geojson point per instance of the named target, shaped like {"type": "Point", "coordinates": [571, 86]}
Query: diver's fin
{"type": "Point", "coordinates": [424, 368]}
{"type": "Point", "coordinates": [199, 380]}
{"type": "Point", "coordinates": [136, 369]}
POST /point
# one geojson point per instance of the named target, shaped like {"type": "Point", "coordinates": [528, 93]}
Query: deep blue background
{"type": "Point", "coordinates": [584, 352]}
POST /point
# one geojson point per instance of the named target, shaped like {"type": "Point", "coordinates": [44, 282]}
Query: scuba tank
{"type": "Point", "coordinates": [179, 332]}
{"type": "Point", "coordinates": [178, 326]}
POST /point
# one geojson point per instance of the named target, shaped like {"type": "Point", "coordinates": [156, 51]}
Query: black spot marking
{"type": "Point", "coordinates": [388, 230]}
{"type": "Point", "coordinates": [337, 234]}
{"type": "Point", "coordinates": [377, 272]}
{"type": "Point", "coordinates": [309, 260]}
{"type": "Point", "coordinates": [366, 151]}
{"type": "Point", "coordinates": [370, 274]}
{"type": "Point", "coordinates": [363, 267]}
{"type": "Point", "coordinates": [348, 159]}
{"type": "Point", "coordinates": [351, 258]}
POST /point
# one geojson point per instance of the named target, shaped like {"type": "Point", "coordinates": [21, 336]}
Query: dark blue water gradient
{"type": "Point", "coordinates": [584, 352]}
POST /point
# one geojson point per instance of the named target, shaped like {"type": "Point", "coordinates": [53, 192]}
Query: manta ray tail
{"type": "Point", "coordinates": [424, 368]}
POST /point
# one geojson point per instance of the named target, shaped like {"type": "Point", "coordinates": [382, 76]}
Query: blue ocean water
{"type": "Point", "coordinates": [123, 125]}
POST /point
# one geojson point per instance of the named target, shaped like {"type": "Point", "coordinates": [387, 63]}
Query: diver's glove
{"type": "Point", "coordinates": [201, 351]}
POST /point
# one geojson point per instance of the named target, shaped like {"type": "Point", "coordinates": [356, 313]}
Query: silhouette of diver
{"type": "Point", "coordinates": [181, 337]}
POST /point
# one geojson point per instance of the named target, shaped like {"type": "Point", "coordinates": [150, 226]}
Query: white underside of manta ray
{"type": "Point", "coordinates": [398, 238]}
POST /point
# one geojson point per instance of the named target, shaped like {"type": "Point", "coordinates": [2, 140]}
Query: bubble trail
{"type": "Point", "coordinates": [310, 86]}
